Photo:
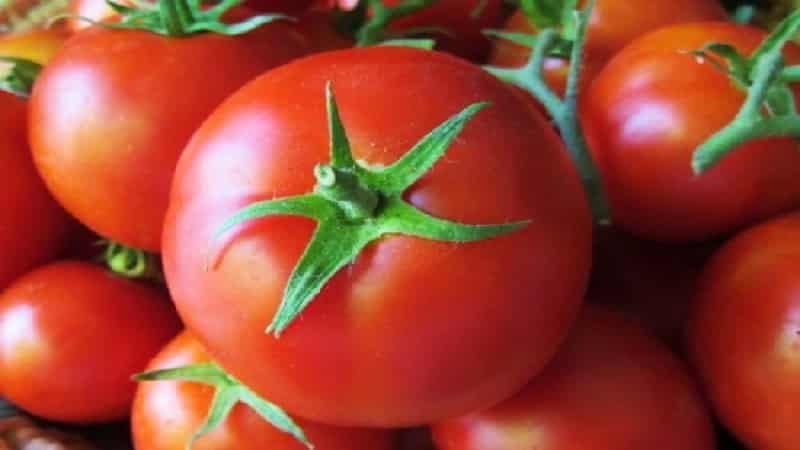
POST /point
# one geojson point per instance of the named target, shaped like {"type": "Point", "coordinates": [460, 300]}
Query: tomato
{"type": "Point", "coordinates": [611, 387]}
{"type": "Point", "coordinates": [647, 281]}
{"type": "Point", "coordinates": [167, 413]}
{"type": "Point", "coordinates": [99, 11]}
{"type": "Point", "coordinates": [112, 112]}
{"type": "Point", "coordinates": [744, 334]}
{"type": "Point", "coordinates": [35, 227]}
{"type": "Point", "coordinates": [71, 336]}
{"type": "Point", "coordinates": [462, 23]}
{"type": "Point", "coordinates": [36, 45]}
{"type": "Point", "coordinates": [613, 24]}
{"type": "Point", "coordinates": [648, 111]}
{"type": "Point", "coordinates": [412, 330]}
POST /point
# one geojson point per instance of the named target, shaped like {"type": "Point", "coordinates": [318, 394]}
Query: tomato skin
{"type": "Point", "coordinates": [611, 387]}
{"type": "Point", "coordinates": [361, 354]}
{"type": "Point", "coordinates": [647, 112]}
{"type": "Point", "coordinates": [465, 29]}
{"type": "Point", "coordinates": [34, 227]}
{"type": "Point", "coordinates": [106, 135]}
{"type": "Point", "coordinates": [743, 334]}
{"type": "Point", "coordinates": [183, 406]}
{"type": "Point", "coordinates": [36, 45]}
{"type": "Point", "coordinates": [613, 24]}
{"type": "Point", "coordinates": [72, 334]}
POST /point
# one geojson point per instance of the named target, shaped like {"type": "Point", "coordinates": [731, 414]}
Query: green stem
{"type": "Point", "coordinates": [132, 263]}
{"type": "Point", "coordinates": [171, 17]}
{"type": "Point", "coordinates": [790, 74]}
{"type": "Point", "coordinates": [373, 31]}
{"type": "Point", "coordinates": [345, 190]}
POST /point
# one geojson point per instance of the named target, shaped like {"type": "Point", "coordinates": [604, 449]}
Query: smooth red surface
{"type": "Point", "coordinates": [744, 334]}
{"type": "Point", "coordinates": [613, 24]}
{"type": "Point", "coordinates": [71, 336]}
{"type": "Point", "coordinates": [112, 112]}
{"type": "Point", "coordinates": [463, 22]}
{"type": "Point", "coordinates": [167, 413]}
{"type": "Point", "coordinates": [611, 387]}
{"type": "Point", "coordinates": [33, 227]}
{"type": "Point", "coordinates": [648, 111]}
{"type": "Point", "coordinates": [413, 330]}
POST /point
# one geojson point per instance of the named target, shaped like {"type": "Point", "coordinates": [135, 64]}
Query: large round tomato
{"type": "Point", "coordinates": [71, 336]}
{"type": "Point", "coordinates": [648, 111]}
{"type": "Point", "coordinates": [611, 387]}
{"type": "Point", "coordinates": [167, 413]}
{"type": "Point", "coordinates": [613, 24]}
{"type": "Point", "coordinates": [34, 227]}
{"type": "Point", "coordinates": [744, 334]}
{"type": "Point", "coordinates": [113, 110]}
{"type": "Point", "coordinates": [412, 330]}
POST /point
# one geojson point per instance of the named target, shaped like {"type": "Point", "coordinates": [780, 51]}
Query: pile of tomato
{"type": "Point", "coordinates": [405, 224]}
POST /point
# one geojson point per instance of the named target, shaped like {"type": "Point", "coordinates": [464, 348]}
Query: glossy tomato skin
{"type": "Point", "coordinates": [167, 413]}
{"type": "Point", "coordinates": [71, 336]}
{"type": "Point", "coordinates": [613, 24]}
{"type": "Point", "coordinates": [412, 330]}
{"type": "Point", "coordinates": [611, 387]}
{"type": "Point", "coordinates": [463, 22]}
{"type": "Point", "coordinates": [34, 227]}
{"type": "Point", "coordinates": [112, 112]}
{"type": "Point", "coordinates": [647, 112]}
{"type": "Point", "coordinates": [744, 334]}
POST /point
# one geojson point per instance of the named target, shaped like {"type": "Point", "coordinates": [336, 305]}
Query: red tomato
{"type": "Point", "coordinates": [649, 282]}
{"type": "Point", "coordinates": [463, 22]}
{"type": "Point", "coordinates": [71, 336]}
{"type": "Point", "coordinates": [167, 413]}
{"type": "Point", "coordinates": [413, 330]}
{"type": "Point", "coordinates": [106, 134]}
{"type": "Point", "coordinates": [611, 387]}
{"type": "Point", "coordinates": [613, 24]}
{"type": "Point", "coordinates": [34, 227]}
{"type": "Point", "coordinates": [648, 111]}
{"type": "Point", "coordinates": [745, 332]}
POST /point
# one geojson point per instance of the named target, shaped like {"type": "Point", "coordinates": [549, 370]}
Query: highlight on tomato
{"type": "Point", "coordinates": [612, 386]}
{"type": "Point", "coordinates": [443, 273]}
{"type": "Point", "coordinates": [71, 336]}
{"type": "Point", "coordinates": [167, 413]}
{"type": "Point", "coordinates": [113, 110]}
{"type": "Point", "coordinates": [743, 334]}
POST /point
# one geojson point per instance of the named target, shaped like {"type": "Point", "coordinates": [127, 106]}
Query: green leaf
{"type": "Point", "coordinates": [400, 217]}
{"type": "Point", "coordinates": [20, 77]}
{"type": "Point", "coordinates": [333, 246]}
{"type": "Point", "coordinates": [737, 67]}
{"type": "Point", "coordinates": [235, 29]}
{"type": "Point", "coordinates": [569, 17]}
{"type": "Point", "coordinates": [543, 13]}
{"type": "Point", "coordinates": [790, 74]}
{"type": "Point", "coordinates": [341, 155]}
{"type": "Point", "coordinates": [228, 392]}
{"type": "Point", "coordinates": [414, 164]}
{"type": "Point", "coordinates": [780, 100]}
{"type": "Point", "coordinates": [422, 44]}
{"type": "Point", "coordinates": [524, 39]}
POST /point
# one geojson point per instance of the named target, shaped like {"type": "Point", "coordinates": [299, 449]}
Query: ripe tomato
{"type": "Point", "coordinates": [113, 110]}
{"type": "Point", "coordinates": [34, 227]}
{"type": "Point", "coordinates": [611, 387]}
{"type": "Point", "coordinates": [613, 24]}
{"type": "Point", "coordinates": [167, 413]}
{"type": "Point", "coordinates": [462, 21]}
{"type": "Point", "coordinates": [413, 330]}
{"type": "Point", "coordinates": [744, 334]}
{"type": "Point", "coordinates": [647, 281]}
{"type": "Point", "coordinates": [36, 45]}
{"type": "Point", "coordinates": [71, 336]}
{"type": "Point", "coordinates": [648, 111]}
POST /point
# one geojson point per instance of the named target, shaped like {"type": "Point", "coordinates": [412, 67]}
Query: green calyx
{"type": "Point", "coordinates": [131, 262]}
{"type": "Point", "coordinates": [564, 111]}
{"type": "Point", "coordinates": [367, 24]}
{"type": "Point", "coordinates": [546, 14]}
{"type": "Point", "coordinates": [228, 392]}
{"type": "Point", "coordinates": [19, 75]}
{"type": "Point", "coordinates": [355, 205]}
{"type": "Point", "coordinates": [181, 18]}
{"type": "Point", "coordinates": [770, 107]}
